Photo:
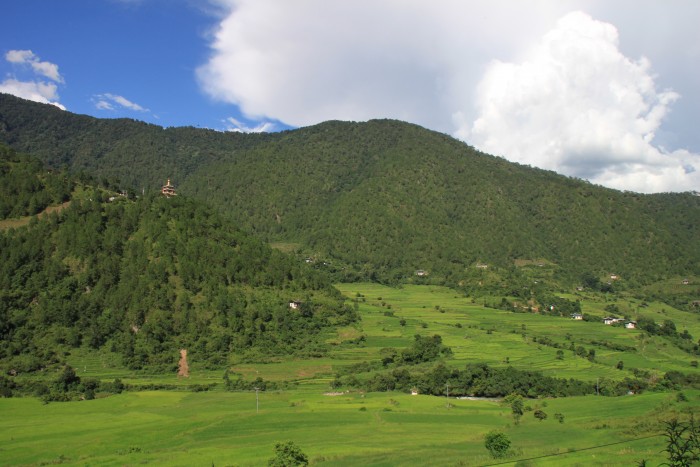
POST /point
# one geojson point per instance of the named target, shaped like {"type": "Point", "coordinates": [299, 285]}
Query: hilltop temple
{"type": "Point", "coordinates": [168, 190]}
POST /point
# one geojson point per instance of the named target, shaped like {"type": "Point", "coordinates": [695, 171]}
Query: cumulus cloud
{"type": "Point", "coordinates": [578, 106]}
{"type": "Point", "coordinates": [34, 89]}
{"type": "Point", "coordinates": [302, 63]}
{"type": "Point", "coordinates": [235, 125]}
{"type": "Point", "coordinates": [487, 72]}
{"type": "Point", "coordinates": [108, 101]}
{"type": "Point", "coordinates": [27, 57]}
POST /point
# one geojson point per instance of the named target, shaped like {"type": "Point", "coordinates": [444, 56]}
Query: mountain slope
{"type": "Point", "coordinates": [382, 199]}
{"type": "Point", "coordinates": [147, 277]}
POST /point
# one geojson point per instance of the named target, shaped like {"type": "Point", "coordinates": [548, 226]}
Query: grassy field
{"type": "Point", "coordinates": [180, 427]}
{"type": "Point", "coordinates": [497, 337]}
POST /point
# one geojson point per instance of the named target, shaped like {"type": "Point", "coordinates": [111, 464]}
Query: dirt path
{"type": "Point", "coordinates": [22, 221]}
{"type": "Point", "coordinates": [183, 367]}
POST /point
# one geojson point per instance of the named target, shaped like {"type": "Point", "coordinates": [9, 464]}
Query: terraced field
{"type": "Point", "coordinates": [341, 427]}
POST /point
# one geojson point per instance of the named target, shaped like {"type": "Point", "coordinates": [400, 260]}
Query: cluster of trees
{"type": "Point", "coordinates": [236, 382]}
{"type": "Point", "coordinates": [147, 277]}
{"type": "Point", "coordinates": [423, 349]}
{"type": "Point", "coordinates": [26, 188]}
{"type": "Point", "coordinates": [558, 306]}
{"type": "Point", "coordinates": [482, 380]}
{"type": "Point", "coordinates": [382, 199]}
{"type": "Point", "coordinates": [65, 386]}
{"type": "Point", "coordinates": [477, 379]}
{"type": "Point", "coordinates": [683, 340]}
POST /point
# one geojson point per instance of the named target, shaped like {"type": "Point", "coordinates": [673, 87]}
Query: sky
{"type": "Point", "coordinates": [595, 89]}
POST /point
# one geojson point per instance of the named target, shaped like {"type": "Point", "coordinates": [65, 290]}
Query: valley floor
{"type": "Point", "coordinates": [182, 428]}
{"type": "Point", "coordinates": [347, 427]}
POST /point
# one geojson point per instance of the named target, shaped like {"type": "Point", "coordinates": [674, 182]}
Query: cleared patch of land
{"type": "Point", "coordinates": [6, 224]}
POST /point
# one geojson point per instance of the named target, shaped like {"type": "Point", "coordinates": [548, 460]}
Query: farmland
{"type": "Point", "coordinates": [186, 425]}
{"type": "Point", "coordinates": [184, 428]}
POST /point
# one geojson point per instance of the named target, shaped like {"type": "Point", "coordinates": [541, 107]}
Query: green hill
{"type": "Point", "coordinates": [146, 277]}
{"type": "Point", "coordinates": [382, 200]}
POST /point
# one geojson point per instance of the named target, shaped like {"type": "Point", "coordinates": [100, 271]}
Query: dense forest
{"type": "Point", "coordinates": [382, 200]}
{"type": "Point", "coordinates": [26, 188]}
{"type": "Point", "coordinates": [145, 277]}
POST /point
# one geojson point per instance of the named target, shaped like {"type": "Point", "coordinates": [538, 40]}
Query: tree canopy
{"type": "Point", "coordinates": [149, 276]}
{"type": "Point", "coordinates": [382, 199]}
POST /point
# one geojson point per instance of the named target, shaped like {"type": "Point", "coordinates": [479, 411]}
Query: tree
{"type": "Point", "coordinates": [288, 454]}
{"type": "Point", "coordinates": [517, 406]}
{"type": "Point", "coordinates": [591, 354]}
{"type": "Point", "coordinates": [540, 414]}
{"type": "Point", "coordinates": [497, 444]}
{"type": "Point", "coordinates": [67, 380]}
{"type": "Point", "coordinates": [682, 442]}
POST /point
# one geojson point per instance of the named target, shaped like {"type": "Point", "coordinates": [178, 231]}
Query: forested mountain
{"type": "Point", "coordinates": [146, 277]}
{"type": "Point", "coordinates": [383, 199]}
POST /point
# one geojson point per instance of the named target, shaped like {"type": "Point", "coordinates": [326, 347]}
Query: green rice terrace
{"type": "Point", "coordinates": [368, 401]}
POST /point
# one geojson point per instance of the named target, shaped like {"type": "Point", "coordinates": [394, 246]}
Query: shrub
{"type": "Point", "coordinates": [288, 454]}
{"type": "Point", "coordinates": [497, 444]}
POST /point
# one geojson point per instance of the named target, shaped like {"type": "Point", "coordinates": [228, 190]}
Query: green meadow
{"type": "Point", "coordinates": [184, 428]}
{"type": "Point", "coordinates": [346, 426]}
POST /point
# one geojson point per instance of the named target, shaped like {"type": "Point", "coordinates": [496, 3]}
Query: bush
{"type": "Point", "coordinates": [497, 444]}
{"type": "Point", "coordinates": [288, 454]}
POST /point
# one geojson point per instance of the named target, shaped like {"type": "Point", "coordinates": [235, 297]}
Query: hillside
{"type": "Point", "coordinates": [146, 277]}
{"type": "Point", "coordinates": [383, 199]}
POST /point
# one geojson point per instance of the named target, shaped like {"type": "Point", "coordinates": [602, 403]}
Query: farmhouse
{"type": "Point", "coordinates": [686, 282]}
{"type": "Point", "coordinates": [295, 305]}
{"type": "Point", "coordinates": [421, 273]}
{"type": "Point", "coordinates": [610, 320]}
{"type": "Point", "coordinates": [631, 325]}
{"type": "Point", "coordinates": [577, 316]}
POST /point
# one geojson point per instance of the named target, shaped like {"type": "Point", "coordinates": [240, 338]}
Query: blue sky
{"type": "Point", "coordinates": [143, 51]}
{"type": "Point", "coordinates": [600, 90]}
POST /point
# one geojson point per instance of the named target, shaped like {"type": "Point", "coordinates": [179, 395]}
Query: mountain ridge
{"type": "Point", "coordinates": [381, 199]}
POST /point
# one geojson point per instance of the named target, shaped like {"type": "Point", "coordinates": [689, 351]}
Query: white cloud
{"type": "Point", "coordinates": [109, 101]}
{"type": "Point", "coordinates": [19, 56]}
{"type": "Point", "coordinates": [235, 125]}
{"type": "Point", "coordinates": [27, 57]}
{"type": "Point", "coordinates": [35, 90]}
{"type": "Point", "coordinates": [450, 65]}
{"type": "Point", "coordinates": [578, 106]}
{"type": "Point", "coordinates": [302, 63]}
